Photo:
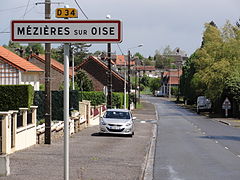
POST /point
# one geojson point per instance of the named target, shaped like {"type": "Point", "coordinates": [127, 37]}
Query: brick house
{"type": "Point", "coordinates": [97, 71]}
{"type": "Point", "coordinates": [16, 70]}
{"type": "Point", "coordinates": [170, 78]}
{"type": "Point", "coordinates": [57, 70]}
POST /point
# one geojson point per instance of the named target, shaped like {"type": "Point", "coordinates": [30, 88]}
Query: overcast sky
{"type": "Point", "coordinates": [153, 23]}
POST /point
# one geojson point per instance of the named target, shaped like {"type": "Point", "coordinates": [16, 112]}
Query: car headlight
{"type": "Point", "coordinates": [129, 123]}
{"type": "Point", "coordinates": [102, 122]}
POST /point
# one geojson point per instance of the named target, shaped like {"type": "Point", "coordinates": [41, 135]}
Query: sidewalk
{"type": "Point", "coordinates": [92, 157]}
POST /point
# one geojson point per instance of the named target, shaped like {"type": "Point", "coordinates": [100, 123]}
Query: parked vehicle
{"type": "Point", "coordinates": [203, 104]}
{"type": "Point", "coordinates": [117, 121]}
{"type": "Point", "coordinates": [159, 93]}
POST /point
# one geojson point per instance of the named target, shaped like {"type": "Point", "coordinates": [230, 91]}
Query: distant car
{"type": "Point", "coordinates": [117, 121]}
{"type": "Point", "coordinates": [203, 104]}
{"type": "Point", "coordinates": [159, 93]}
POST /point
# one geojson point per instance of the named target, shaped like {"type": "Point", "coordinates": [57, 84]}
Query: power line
{"type": "Point", "coordinates": [2, 10]}
{"type": "Point", "coordinates": [26, 9]}
{"type": "Point", "coordinates": [120, 49]}
{"type": "Point", "coordinates": [81, 9]}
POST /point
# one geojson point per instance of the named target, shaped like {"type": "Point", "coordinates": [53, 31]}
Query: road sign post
{"type": "Point", "coordinates": [226, 106]}
{"type": "Point", "coordinates": [66, 31]}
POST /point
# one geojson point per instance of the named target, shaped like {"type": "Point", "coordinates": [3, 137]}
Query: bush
{"type": "Point", "coordinates": [117, 99]}
{"type": "Point", "coordinates": [13, 97]}
{"type": "Point", "coordinates": [57, 103]}
{"type": "Point", "coordinates": [96, 97]}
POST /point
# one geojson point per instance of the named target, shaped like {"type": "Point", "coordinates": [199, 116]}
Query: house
{"type": "Point", "coordinates": [16, 70]}
{"type": "Point", "coordinates": [170, 78]}
{"type": "Point", "coordinates": [56, 72]}
{"type": "Point", "coordinates": [97, 71]}
{"type": "Point", "coordinates": [150, 71]}
{"type": "Point", "coordinates": [121, 61]}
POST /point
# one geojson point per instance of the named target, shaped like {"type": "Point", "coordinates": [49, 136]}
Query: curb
{"type": "Point", "coordinates": [149, 159]}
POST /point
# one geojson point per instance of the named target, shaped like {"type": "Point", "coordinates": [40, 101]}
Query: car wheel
{"type": "Point", "coordinates": [132, 133]}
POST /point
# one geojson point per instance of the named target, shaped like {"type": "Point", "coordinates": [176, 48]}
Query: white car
{"type": "Point", "coordinates": [117, 121]}
{"type": "Point", "coordinates": [203, 104]}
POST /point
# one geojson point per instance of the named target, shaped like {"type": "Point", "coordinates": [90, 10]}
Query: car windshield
{"type": "Point", "coordinates": [117, 115]}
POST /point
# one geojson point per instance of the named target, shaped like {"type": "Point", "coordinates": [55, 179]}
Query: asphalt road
{"type": "Point", "coordinates": [92, 157]}
{"type": "Point", "coordinates": [193, 147]}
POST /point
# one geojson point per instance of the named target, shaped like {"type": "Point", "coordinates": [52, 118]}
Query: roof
{"type": "Point", "coordinates": [120, 60]}
{"type": "Point", "coordinates": [174, 76]}
{"type": "Point", "coordinates": [54, 63]}
{"type": "Point", "coordinates": [173, 72]}
{"type": "Point", "coordinates": [146, 68]}
{"type": "Point", "coordinates": [18, 62]}
{"type": "Point", "coordinates": [101, 64]}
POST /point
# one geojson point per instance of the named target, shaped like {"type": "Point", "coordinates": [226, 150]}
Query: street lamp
{"type": "Point", "coordinates": [129, 81]}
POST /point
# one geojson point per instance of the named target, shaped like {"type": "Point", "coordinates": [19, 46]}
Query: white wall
{"type": "Point", "coordinates": [32, 78]}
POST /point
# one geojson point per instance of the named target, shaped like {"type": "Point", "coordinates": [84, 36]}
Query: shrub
{"type": "Point", "coordinates": [13, 97]}
{"type": "Point", "coordinates": [96, 97]}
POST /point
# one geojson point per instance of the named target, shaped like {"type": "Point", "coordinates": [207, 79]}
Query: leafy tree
{"type": "Point", "coordinates": [80, 51]}
{"type": "Point", "coordinates": [154, 84]}
{"type": "Point", "coordinates": [36, 48]}
{"type": "Point", "coordinates": [83, 82]}
{"type": "Point", "coordinates": [145, 80]}
{"type": "Point", "coordinates": [213, 69]}
{"type": "Point", "coordinates": [140, 56]}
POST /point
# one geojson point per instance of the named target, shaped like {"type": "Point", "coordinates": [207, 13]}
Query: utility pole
{"type": "Point", "coordinates": [109, 96]}
{"type": "Point", "coordinates": [129, 81]}
{"type": "Point", "coordinates": [135, 93]}
{"type": "Point", "coordinates": [48, 108]}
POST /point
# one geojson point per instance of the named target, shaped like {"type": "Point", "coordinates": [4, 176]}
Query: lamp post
{"type": "Point", "coordinates": [129, 81]}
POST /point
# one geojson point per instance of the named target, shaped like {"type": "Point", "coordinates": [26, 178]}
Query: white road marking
{"type": "Point", "coordinates": [142, 121]}
{"type": "Point", "coordinates": [173, 173]}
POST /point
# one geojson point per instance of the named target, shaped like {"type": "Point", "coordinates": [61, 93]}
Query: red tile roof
{"type": "Point", "coordinates": [146, 68]}
{"type": "Point", "coordinates": [17, 61]}
{"type": "Point", "coordinates": [174, 80]}
{"type": "Point", "coordinates": [101, 63]}
{"type": "Point", "coordinates": [54, 64]}
{"type": "Point", "coordinates": [120, 60]}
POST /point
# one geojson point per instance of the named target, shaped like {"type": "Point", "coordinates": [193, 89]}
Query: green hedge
{"type": "Point", "coordinates": [118, 99]}
{"type": "Point", "coordinates": [13, 97]}
{"type": "Point", "coordinates": [57, 103]}
{"type": "Point", "coordinates": [96, 97]}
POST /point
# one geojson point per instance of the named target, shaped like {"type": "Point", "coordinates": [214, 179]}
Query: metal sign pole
{"type": "Point", "coordinates": [66, 111]}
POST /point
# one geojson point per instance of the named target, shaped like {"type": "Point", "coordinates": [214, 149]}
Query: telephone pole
{"type": "Point", "coordinates": [48, 108]}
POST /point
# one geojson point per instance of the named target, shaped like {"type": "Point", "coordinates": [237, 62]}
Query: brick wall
{"type": "Point", "coordinates": [98, 75]}
{"type": "Point", "coordinates": [57, 77]}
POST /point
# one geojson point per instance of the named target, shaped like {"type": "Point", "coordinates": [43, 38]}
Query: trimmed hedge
{"type": "Point", "coordinates": [57, 103]}
{"type": "Point", "coordinates": [96, 97]}
{"type": "Point", "coordinates": [13, 97]}
{"type": "Point", "coordinates": [118, 99]}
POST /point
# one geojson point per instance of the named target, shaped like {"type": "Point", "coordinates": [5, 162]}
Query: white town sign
{"type": "Point", "coordinates": [58, 31]}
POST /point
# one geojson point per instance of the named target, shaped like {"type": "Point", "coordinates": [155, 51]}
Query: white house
{"type": "Point", "coordinates": [17, 70]}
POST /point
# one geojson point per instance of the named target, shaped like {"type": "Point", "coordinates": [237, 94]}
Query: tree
{"type": "Point", "coordinates": [80, 51]}
{"type": "Point", "coordinates": [140, 56]}
{"type": "Point", "coordinates": [154, 84]}
{"type": "Point", "coordinates": [36, 48]}
{"type": "Point", "coordinates": [213, 69]}
{"type": "Point", "coordinates": [83, 82]}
